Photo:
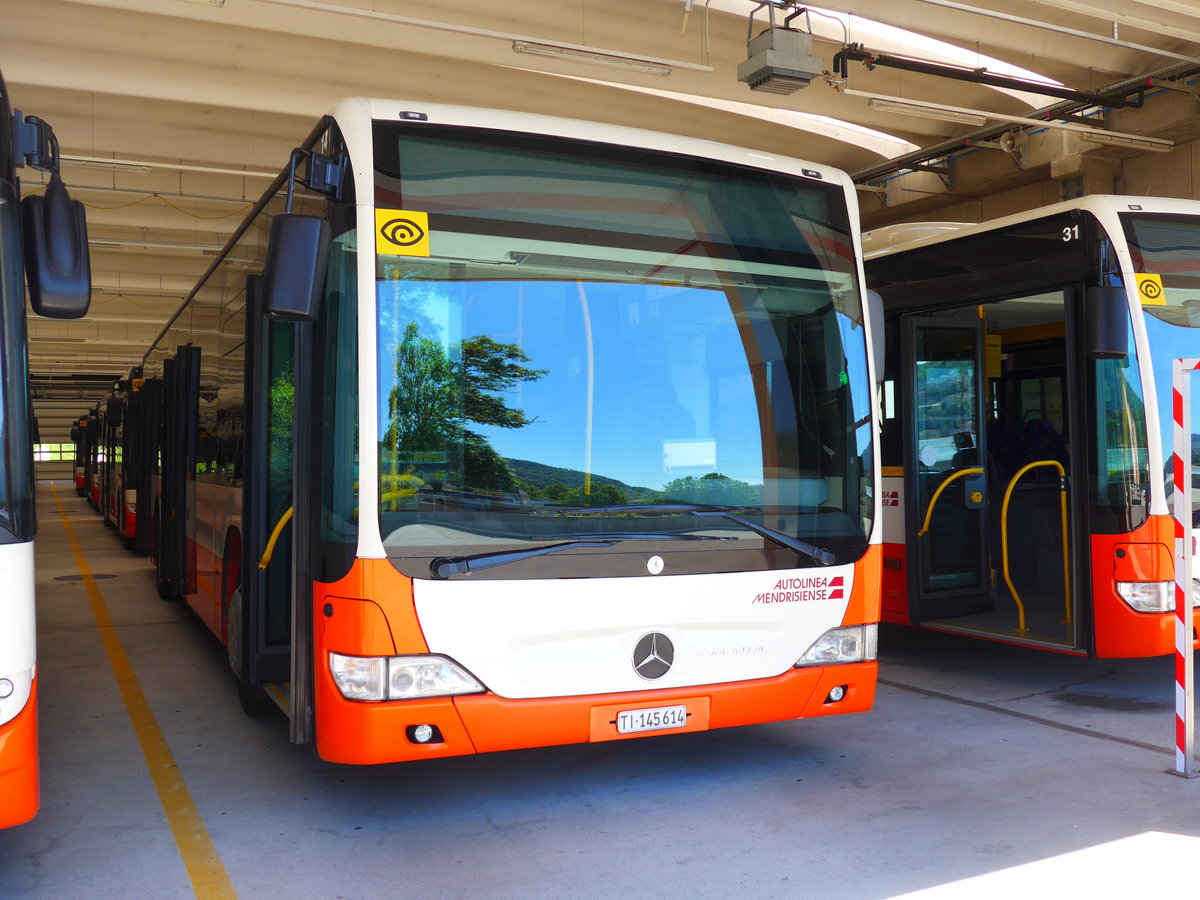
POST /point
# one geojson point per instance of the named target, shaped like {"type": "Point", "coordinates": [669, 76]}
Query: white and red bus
{"type": "Point", "coordinates": [80, 440]}
{"type": "Point", "coordinates": [121, 456]}
{"type": "Point", "coordinates": [519, 431]}
{"type": "Point", "coordinates": [51, 252]}
{"type": "Point", "coordinates": [1027, 422]}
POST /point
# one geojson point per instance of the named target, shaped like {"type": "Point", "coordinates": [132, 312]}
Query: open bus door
{"type": "Point", "coordinates": [260, 614]}
{"type": "Point", "coordinates": [181, 396]}
{"type": "Point", "coordinates": [992, 526]}
{"type": "Point", "coordinates": [143, 445]}
{"type": "Point", "coordinates": [945, 451]}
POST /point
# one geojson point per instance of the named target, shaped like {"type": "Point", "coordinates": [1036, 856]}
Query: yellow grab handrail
{"type": "Point", "coordinates": [1062, 498]}
{"type": "Point", "coordinates": [941, 487]}
{"type": "Point", "coordinates": [283, 520]}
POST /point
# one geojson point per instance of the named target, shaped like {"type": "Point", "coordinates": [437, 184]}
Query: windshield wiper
{"type": "Point", "coordinates": [445, 566]}
{"type": "Point", "coordinates": [817, 554]}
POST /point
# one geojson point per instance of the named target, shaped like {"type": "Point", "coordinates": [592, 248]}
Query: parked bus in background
{"type": "Point", "coordinates": [1027, 423]}
{"type": "Point", "coordinates": [122, 457]}
{"type": "Point", "coordinates": [79, 439]}
{"type": "Point", "coordinates": [95, 456]}
{"type": "Point", "coordinates": [43, 239]}
{"type": "Point", "coordinates": [560, 431]}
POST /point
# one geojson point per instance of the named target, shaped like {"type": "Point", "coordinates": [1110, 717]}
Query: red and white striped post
{"type": "Point", "coordinates": [1185, 730]}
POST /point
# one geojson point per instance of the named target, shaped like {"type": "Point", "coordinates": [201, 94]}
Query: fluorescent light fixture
{"type": "Point", "coordinates": [926, 112]}
{"type": "Point", "coordinates": [613, 61]}
{"type": "Point", "coordinates": [112, 166]}
{"type": "Point", "coordinates": [1113, 139]}
{"type": "Point", "coordinates": [143, 165]}
{"type": "Point", "coordinates": [119, 243]}
{"type": "Point", "coordinates": [1095, 135]}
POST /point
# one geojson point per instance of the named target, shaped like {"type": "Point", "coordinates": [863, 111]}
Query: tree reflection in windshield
{"type": "Point", "coordinates": [437, 391]}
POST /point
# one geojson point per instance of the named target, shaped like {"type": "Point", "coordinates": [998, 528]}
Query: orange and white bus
{"type": "Point", "coordinates": [1027, 422]}
{"type": "Point", "coordinates": [120, 459]}
{"type": "Point", "coordinates": [80, 439]}
{"type": "Point", "coordinates": [519, 431]}
{"type": "Point", "coordinates": [52, 253]}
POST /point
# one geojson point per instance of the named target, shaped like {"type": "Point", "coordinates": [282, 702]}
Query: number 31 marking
{"type": "Point", "coordinates": [1070, 233]}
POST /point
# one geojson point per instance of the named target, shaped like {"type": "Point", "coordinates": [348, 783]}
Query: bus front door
{"type": "Point", "coordinates": [262, 624]}
{"type": "Point", "coordinates": [945, 458]}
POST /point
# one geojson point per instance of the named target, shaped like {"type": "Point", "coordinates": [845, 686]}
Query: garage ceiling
{"type": "Point", "coordinates": [171, 114]}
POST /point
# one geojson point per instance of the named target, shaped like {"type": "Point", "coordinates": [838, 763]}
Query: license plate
{"type": "Point", "coordinates": [630, 721]}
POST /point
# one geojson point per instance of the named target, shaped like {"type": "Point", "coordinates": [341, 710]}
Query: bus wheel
{"type": "Point", "coordinates": [254, 700]}
{"type": "Point", "coordinates": [164, 589]}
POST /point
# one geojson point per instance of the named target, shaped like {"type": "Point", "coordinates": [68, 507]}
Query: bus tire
{"type": "Point", "coordinates": [165, 591]}
{"type": "Point", "coordinates": [233, 633]}
{"type": "Point", "coordinates": [254, 700]}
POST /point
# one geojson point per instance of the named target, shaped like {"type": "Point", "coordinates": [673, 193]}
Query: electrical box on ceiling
{"type": "Point", "coordinates": [779, 61]}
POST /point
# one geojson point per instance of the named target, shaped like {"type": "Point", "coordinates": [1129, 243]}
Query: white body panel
{"type": "Point", "coordinates": [556, 637]}
{"type": "Point", "coordinates": [18, 627]}
{"type": "Point", "coordinates": [893, 510]}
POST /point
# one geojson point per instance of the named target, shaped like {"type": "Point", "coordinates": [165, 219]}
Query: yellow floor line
{"type": "Point", "coordinates": [205, 869]}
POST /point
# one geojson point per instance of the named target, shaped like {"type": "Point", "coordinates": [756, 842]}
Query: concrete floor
{"type": "Point", "coordinates": [976, 759]}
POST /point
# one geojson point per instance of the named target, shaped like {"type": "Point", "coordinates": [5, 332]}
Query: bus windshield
{"type": "Point", "coordinates": [590, 342]}
{"type": "Point", "coordinates": [1169, 246]}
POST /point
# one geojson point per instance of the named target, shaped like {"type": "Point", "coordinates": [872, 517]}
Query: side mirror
{"type": "Point", "coordinates": [294, 274]}
{"type": "Point", "coordinates": [878, 341]}
{"type": "Point", "coordinates": [1107, 316]}
{"type": "Point", "coordinates": [57, 266]}
{"type": "Point", "coordinates": [112, 412]}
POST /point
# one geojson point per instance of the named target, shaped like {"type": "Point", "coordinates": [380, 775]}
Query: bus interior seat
{"type": "Point", "coordinates": [1006, 451]}
{"type": "Point", "coordinates": [1045, 442]}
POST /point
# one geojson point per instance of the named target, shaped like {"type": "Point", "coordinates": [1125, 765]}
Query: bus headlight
{"type": "Point", "coordinates": [359, 677]}
{"type": "Point", "coordinates": [399, 677]}
{"type": "Point", "coordinates": [855, 643]}
{"type": "Point", "coordinates": [410, 677]}
{"type": "Point", "coordinates": [1148, 596]}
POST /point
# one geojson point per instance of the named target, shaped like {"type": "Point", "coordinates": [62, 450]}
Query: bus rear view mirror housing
{"type": "Point", "coordinates": [57, 266]}
{"type": "Point", "coordinates": [294, 274]}
{"type": "Point", "coordinates": [1108, 323]}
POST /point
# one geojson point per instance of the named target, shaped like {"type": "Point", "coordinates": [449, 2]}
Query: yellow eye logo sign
{"type": "Point", "coordinates": [1150, 290]}
{"type": "Point", "coordinates": [401, 232]}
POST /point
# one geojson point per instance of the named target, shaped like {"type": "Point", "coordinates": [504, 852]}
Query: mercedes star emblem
{"type": "Point", "coordinates": [653, 655]}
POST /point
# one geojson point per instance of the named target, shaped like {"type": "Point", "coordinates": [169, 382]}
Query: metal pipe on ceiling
{"type": "Point", "coordinates": [1059, 29]}
{"type": "Point", "coordinates": [949, 146]}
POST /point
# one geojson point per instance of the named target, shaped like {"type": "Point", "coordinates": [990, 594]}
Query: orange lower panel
{"type": "Point", "coordinates": [1143, 555]}
{"type": "Point", "coordinates": [368, 733]}
{"type": "Point", "coordinates": [19, 766]}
